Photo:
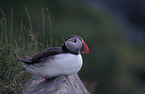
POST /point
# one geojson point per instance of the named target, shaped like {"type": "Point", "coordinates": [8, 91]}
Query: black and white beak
{"type": "Point", "coordinates": [84, 48]}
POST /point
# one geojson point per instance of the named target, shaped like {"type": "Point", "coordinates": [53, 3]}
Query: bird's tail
{"type": "Point", "coordinates": [27, 60]}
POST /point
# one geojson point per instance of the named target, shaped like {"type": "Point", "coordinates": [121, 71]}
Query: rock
{"type": "Point", "coordinates": [58, 85]}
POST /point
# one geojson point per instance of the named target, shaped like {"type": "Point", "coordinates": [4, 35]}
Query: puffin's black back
{"type": "Point", "coordinates": [41, 55]}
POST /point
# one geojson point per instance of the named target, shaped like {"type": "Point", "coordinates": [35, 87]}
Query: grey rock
{"type": "Point", "coordinates": [58, 85]}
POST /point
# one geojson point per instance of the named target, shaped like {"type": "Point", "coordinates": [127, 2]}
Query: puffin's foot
{"type": "Point", "coordinates": [46, 77]}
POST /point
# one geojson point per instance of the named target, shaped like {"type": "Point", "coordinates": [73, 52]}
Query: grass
{"type": "Point", "coordinates": [18, 42]}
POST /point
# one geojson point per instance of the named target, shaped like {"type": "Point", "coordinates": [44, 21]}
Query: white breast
{"type": "Point", "coordinates": [62, 64]}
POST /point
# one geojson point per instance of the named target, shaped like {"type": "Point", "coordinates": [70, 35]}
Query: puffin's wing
{"type": "Point", "coordinates": [42, 55]}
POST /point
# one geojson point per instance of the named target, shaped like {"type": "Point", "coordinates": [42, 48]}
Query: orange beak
{"type": "Point", "coordinates": [84, 49]}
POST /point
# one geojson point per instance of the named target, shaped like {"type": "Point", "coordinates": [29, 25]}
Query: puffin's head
{"type": "Point", "coordinates": [76, 44]}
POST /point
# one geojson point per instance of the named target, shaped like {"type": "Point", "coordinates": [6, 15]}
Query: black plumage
{"type": "Point", "coordinates": [50, 52]}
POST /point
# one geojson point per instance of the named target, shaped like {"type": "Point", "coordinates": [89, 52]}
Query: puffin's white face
{"type": "Point", "coordinates": [76, 44]}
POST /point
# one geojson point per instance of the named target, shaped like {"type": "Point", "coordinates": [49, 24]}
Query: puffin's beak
{"type": "Point", "coordinates": [84, 49]}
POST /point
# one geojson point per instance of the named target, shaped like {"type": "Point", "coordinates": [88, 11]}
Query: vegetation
{"type": "Point", "coordinates": [18, 42]}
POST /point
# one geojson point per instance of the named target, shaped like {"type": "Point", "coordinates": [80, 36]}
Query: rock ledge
{"type": "Point", "coordinates": [57, 85]}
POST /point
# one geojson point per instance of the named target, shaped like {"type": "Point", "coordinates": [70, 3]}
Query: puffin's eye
{"type": "Point", "coordinates": [75, 40]}
{"type": "Point", "coordinates": [72, 40]}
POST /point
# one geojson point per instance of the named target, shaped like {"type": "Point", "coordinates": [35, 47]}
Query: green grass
{"type": "Point", "coordinates": [18, 41]}
{"type": "Point", "coordinates": [12, 73]}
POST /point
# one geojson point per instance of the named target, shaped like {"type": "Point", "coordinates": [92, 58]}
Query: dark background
{"type": "Point", "coordinates": [114, 30]}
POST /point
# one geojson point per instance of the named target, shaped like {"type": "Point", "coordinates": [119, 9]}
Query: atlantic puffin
{"type": "Point", "coordinates": [55, 61]}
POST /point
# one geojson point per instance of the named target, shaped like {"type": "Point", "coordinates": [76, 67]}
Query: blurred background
{"type": "Point", "coordinates": [114, 31]}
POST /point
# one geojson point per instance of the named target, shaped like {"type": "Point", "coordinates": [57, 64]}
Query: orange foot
{"type": "Point", "coordinates": [46, 77]}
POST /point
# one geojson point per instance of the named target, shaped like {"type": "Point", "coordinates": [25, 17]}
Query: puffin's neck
{"type": "Point", "coordinates": [66, 50]}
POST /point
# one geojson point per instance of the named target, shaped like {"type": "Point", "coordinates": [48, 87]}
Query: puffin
{"type": "Point", "coordinates": [55, 61]}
